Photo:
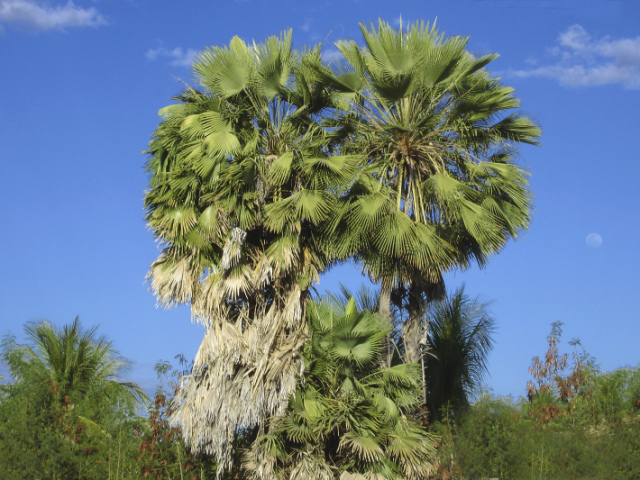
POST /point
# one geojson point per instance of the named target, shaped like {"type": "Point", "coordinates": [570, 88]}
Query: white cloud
{"type": "Point", "coordinates": [44, 16]}
{"type": "Point", "coordinates": [178, 57]}
{"type": "Point", "coordinates": [330, 55]}
{"type": "Point", "coordinates": [580, 60]}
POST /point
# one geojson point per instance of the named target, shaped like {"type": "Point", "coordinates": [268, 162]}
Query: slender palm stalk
{"type": "Point", "coordinates": [439, 188]}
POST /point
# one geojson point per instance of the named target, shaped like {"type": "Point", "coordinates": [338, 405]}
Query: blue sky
{"type": "Point", "coordinates": [81, 85]}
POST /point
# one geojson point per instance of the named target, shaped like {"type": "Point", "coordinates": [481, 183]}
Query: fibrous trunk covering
{"type": "Point", "coordinates": [248, 363]}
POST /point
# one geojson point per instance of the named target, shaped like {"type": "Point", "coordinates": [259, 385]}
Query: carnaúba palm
{"type": "Point", "coordinates": [347, 420]}
{"type": "Point", "coordinates": [439, 136]}
{"type": "Point", "coordinates": [241, 179]}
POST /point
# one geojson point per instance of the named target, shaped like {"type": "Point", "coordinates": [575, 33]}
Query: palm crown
{"type": "Point", "coordinates": [78, 366]}
{"type": "Point", "coordinates": [440, 188]}
{"type": "Point", "coordinates": [241, 177]}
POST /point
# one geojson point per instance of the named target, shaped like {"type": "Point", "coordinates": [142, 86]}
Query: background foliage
{"type": "Point", "coordinates": [577, 422]}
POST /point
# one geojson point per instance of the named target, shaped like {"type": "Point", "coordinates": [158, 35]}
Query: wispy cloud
{"type": "Point", "coordinates": [330, 55]}
{"type": "Point", "coordinates": [38, 15]}
{"type": "Point", "coordinates": [580, 60]}
{"type": "Point", "coordinates": [306, 26]}
{"type": "Point", "coordinates": [177, 57]}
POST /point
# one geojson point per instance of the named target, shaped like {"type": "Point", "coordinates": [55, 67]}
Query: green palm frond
{"type": "Point", "coordinates": [226, 71]}
{"type": "Point", "coordinates": [274, 71]}
{"type": "Point", "coordinates": [363, 447]}
{"type": "Point", "coordinates": [350, 415]}
{"type": "Point", "coordinates": [460, 339]}
{"type": "Point", "coordinates": [281, 169]}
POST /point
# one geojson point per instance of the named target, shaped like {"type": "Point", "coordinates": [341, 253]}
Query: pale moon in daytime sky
{"type": "Point", "coordinates": [594, 240]}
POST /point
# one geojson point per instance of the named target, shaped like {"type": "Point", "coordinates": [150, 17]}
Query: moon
{"type": "Point", "coordinates": [594, 240]}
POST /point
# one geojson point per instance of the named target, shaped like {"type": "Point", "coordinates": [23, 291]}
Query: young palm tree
{"type": "Point", "coordinates": [439, 188]}
{"type": "Point", "coordinates": [76, 365]}
{"type": "Point", "coordinates": [242, 175]}
{"type": "Point", "coordinates": [460, 338]}
{"type": "Point", "coordinates": [66, 411]}
{"type": "Point", "coordinates": [347, 420]}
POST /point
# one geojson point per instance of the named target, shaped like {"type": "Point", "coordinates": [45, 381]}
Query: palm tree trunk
{"type": "Point", "coordinates": [384, 304]}
{"type": "Point", "coordinates": [411, 330]}
{"type": "Point", "coordinates": [384, 310]}
{"type": "Point", "coordinates": [411, 336]}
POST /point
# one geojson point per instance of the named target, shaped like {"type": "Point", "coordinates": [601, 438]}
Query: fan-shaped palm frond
{"type": "Point", "coordinates": [348, 417]}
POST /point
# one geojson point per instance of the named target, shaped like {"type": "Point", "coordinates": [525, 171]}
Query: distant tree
{"type": "Point", "coordinates": [554, 390]}
{"type": "Point", "coordinates": [460, 339]}
{"type": "Point", "coordinates": [66, 413]}
{"type": "Point", "coordinates": [76, 364]}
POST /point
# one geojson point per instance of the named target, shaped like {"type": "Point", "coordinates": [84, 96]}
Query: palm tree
{"type": "Point", "coordinates": [347, 420]}
{"type": "Point", "coordinates": [439, 188]}
{"type": "Point", "coordinates": [242, 176]}
{"type": "Point", "coordinates": [66, 411]}
{"type": "Point", "coordinates": [77, 366]}
{"type": "Point", "coordinates": [460, 339]}
{"type": "Point", "coordinates": [400, 156]}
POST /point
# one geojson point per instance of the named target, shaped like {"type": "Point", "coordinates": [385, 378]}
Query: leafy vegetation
{"type": "Point", "coordinates": [350, 418]}
{"type": "Point", "coordinates": [577, 422]}
{"type": "Point", "coordinates": [66, 413]}
{"type": "Point", "coordinates": [350, 415]}
{"type": "Point", "coordinates": [161, 453]}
